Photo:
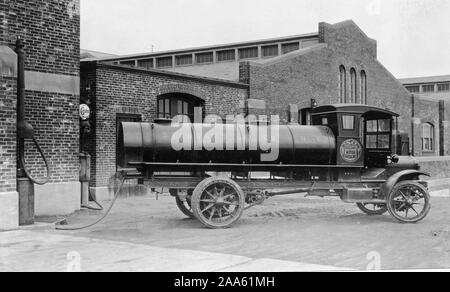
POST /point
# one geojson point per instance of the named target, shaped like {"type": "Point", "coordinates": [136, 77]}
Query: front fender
{"type": "Point", "coordinates": [389, 185]}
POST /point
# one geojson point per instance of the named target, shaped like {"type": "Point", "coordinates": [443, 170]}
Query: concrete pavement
{"type": "Point", "coordinates": [46, 251]}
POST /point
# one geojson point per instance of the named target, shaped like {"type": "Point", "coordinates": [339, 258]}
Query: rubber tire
{"type": "Point", "coordinates": [372, 212]}
{"type": "Point", "coordinates": [196, 196]}
{"type": "Point", "coordinates": [182, 207]}
{"type": "Point", "coordinates": [427, 202]}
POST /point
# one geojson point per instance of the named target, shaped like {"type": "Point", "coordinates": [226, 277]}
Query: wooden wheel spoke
{"type": "Point", "coordinates": [402, 206]}
{"type": "Point", "coordinates": [212, 213]}
{"type": "Point", "coordinates": [403, 195]}
{"type": "Point", "coordinates": [208, 201]}
{"type": "Point", "coordinates": [210, 194]}
{"type": "Point", "coordinates": [207, 208]}
{"type": "Point", "coordinates": [415, 210]}
{"type": "Point", "coordinates": [231, 204]}
{"type": "Point", "coordinates": [230, 213]}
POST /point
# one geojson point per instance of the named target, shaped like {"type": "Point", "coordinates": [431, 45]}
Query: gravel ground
{"type": "Point", "coordinates": [293, 228]}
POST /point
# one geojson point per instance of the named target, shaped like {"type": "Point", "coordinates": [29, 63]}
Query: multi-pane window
{"type": "Point", "coordinates": [363, 87]}
{"type": "Point", "coordinates": [343, 84]}
{"type": "Point", "coordinates": [378, 134]}
{"type": "Point", "coordinates": [413, 89]}
{"type": "Point", "coordinates": [427, 137]}
{"type": "Point", "coordinates": [353, 86]}
{"type": "Point", "coordinates": [227, 55]}
{"type": "Point", "coordinates": [270, 51]}
{"type": "Point", "coordinates": [428, 88]}
{"type": "Point", "coordinates": [164, 62]}
{"type": "Point", "coordinates": [130, 63]}
{"type": "Point", "coordinates": [248, 53]}
{"type": "Point", "coordinates": [204, 58]}
{"type": "Point", "coordinates": [146, 64]}
{"type": "Point", "coordinates": [444, 87]}
{"type": "Point", "coordinates": [172, 106]}
{"type": "Point", "coordinates": [290, 47]}
{"type": "Point", "coordinates": [183, 60]}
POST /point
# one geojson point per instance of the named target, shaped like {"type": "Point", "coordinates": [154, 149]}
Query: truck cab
{"type": "Point", "coordinates": [363, 133]}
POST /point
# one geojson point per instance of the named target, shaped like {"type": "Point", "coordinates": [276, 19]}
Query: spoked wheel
{"type": "Point", "coordinates": [372, 209]}
{"type": "Point", "coordinates": [185, 205]}
{"type": "Point", "coordinates": [218, 202]}
{"type": "Point", "coordinates": [409, 202]}
{"type": "Point", "coordinates": [183, 201]}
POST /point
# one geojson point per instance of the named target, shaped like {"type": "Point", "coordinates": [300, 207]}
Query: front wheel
{"type": "Point", "coordinates": [218, 202]}
{"type": "Point", "coordinates": [409, 202]}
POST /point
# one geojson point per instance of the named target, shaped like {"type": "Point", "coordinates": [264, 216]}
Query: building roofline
{"type": "Point", "coordinates": [170, 74]}
{"type": "Point", "coordinates": [426, 79]}
{"type": "Point", "coordinates": [208, 48]}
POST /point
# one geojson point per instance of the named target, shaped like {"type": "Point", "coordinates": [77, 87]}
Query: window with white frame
{"type": "Point", "coordinates": [427, 137]}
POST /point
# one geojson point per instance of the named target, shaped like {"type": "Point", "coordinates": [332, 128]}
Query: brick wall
{"type": "Point", "coordinates": [300, 76]}
{"type": "Point", "coordinates": [425, 111]}
{"type": "Point", "coordinates": [50, 30]}
{"type": "Point", "coordinates": [118, 90]}
{"type": "Point", "coordinates": [7, 134]}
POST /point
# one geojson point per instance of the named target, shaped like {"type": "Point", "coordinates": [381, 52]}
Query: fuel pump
{"type": "Point", "coordinates": [25, 180]}
{"type": "Point", "coordinates": [85, 158]}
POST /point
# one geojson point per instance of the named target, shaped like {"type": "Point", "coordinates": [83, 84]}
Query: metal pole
{"type": "Point", "coordinates": [20, 103]}
{"type": "Point", "coordinates": [25, 187]}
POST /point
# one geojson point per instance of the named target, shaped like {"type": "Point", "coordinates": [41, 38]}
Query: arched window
{"type": "Point", "coordinates": [363, 87]}
{"type": "Point", "coordinates": [177, 104]}
{"type": "Point", "coordinates": [342, 84]}
{"type": "Point", "coordinates": [427, 137]}
{"type": "Point", "coordinates": [353, 86]}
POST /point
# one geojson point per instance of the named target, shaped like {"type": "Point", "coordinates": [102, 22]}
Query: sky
{"type": "Point", "coordinates": [413, 35]}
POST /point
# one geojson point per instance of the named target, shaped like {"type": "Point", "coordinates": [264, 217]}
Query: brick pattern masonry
{"type": "Point", "coordinates": [51, 33]}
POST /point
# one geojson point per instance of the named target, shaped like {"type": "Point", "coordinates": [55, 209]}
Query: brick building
{"type": "Point", "coordinates": [51, 32]}
{"type": "Point", "coordinates": [338, 64]}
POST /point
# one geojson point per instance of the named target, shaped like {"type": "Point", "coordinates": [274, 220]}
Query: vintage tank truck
{"type": "Point", "coordinates": [345, 153]}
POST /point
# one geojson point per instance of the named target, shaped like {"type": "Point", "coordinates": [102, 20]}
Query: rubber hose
{"type": "Point", "coordinates": [28, 174]}
{"type": "Point", "coordinates": [116, 196]}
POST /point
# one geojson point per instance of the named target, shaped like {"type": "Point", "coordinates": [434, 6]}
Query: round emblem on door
{"type": "Point", "coordinates": [351, 151]}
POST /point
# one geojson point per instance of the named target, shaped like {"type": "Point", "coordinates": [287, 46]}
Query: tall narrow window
{"type": "Point", "coordinates": [353, 86]}
{"type": "Point", "coordinates": [427, 137]}
{"type": "Point", "coordinates": [363, 87]}
{"type": "Point", "coordinates": [343, 84]}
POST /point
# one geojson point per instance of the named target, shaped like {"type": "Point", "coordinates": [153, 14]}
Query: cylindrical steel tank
{"type": "Point", "coordinates": [225, 144]}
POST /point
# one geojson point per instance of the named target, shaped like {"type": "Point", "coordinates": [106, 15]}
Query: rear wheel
{"type": "Point", "coordinates": [409, 202]}
{"type": "Point", "coordinates": [218, 202]}
{"type": "Point", "coordinates": [372, 209]}
{"type": "Point", "coordinates": [183, 201]}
